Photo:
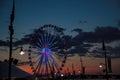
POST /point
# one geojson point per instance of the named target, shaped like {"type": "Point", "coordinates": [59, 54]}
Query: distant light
{"type": "Point", "coordinates": [21, 53]}
{"type": "Point", "coordinates": [62, 75]}
{"type": "Point", "coordinates": [100, 66]}
{"type": "Point", "coordinates": [71, 73]}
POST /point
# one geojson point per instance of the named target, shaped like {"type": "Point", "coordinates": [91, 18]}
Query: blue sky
{"type": "Point", "coordinates": [69, 14]}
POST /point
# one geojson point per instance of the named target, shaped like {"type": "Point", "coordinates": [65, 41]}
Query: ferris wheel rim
{"type": "Point", "coordinates": [37, 32]}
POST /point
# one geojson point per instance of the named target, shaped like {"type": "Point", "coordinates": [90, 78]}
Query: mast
{"type": "Point", "coordinates": [105, 55]}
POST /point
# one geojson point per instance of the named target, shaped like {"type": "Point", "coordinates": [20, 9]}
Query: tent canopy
{"type": "Point", "coordinates": [15, 72]}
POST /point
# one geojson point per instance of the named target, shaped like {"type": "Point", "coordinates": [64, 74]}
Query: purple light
{"type": "Point", "coordinates": [46, 51]}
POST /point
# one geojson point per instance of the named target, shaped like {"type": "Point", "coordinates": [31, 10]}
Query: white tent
{"type": "Point", "coordinates": [15, 72]}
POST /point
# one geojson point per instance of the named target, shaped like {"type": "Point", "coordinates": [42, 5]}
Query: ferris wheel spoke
{"type": "Point", "coordinates": [50, 67]}
{"type": "Point", "coordinates": [46, 66]}
{"type": "Point", "coordinates": [50, 37]}
{"type": "Point", "coordinates": [53, 44]}
{"type": "Point", "coordinates": [53, 40]}
{"type": "Point", "coordinates": [43, 62]}
{"type": "Point", "coordinates": [40, 40]}
{"type": "Point", "coordinates": [59, 58]}
{"type": "Point", "coordinates": [40, 43]}
{"type": "Point", "coordinates": [39, 64]}
{"type": "Point", "coordinates": [56, 66]}
{"type": "Point", "coordinates": [47, 37]}
{"type": "Point", "coordinates": [36, 69]}
{"type": "Point", "coordinates": [42, 69]}
{"type": "Point", "coordinates": [46, 69]}
{"type": "Point", "coordinates": [54, 49]}
{"type": "Point", "coordinates": [44, 37]}
{"type": "Point", "coordinates": [52, 62]}
{"type": "Point", "coordinates": [37, 51]}
{"type": "Point", "coordinates": [39, 68]}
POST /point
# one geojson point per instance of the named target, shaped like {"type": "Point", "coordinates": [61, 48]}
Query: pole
{"type": "Point", "coordinates": [109, 64]}
{"type": "Point", "coordinates": [10, 45]}
{"type": "Point", "coordinates": [106, 70]}
{"type": "Point", "coordinates": [82, 73]}
{"type": "Point", "coordinates": [73, 71]}
{"type": "Point", "coordinates": [106, 65]}
{"type": "Point", "coordinates": [81, 64]}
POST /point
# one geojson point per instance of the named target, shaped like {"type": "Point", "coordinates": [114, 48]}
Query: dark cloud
{"type": "Point", "coordinates": [108, 33]}
{"type": "Point", "coordinates": [4, 43]}
{"type": "Point", "coordinates": [77, 30]}
{"type": "Point", "coordinates": [110, 51]}
{"type": "Point", "coordinates": [23, 41]}
{"type": "Point", "coordinates": [114, 52]}
{"type": "Point", "coordinates": [118, 23]}
{"type": "Point", "coordinates": [79, 50]}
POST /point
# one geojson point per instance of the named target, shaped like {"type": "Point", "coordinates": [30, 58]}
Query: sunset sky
{"type": "Point", "coordinates": [77, 17]}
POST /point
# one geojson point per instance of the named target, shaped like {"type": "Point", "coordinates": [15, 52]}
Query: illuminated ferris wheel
{"type": "Point", "coordinates": [49, 45]}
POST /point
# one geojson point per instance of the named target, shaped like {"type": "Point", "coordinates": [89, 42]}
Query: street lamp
{"type": "Point", "coordinates": [21, 51]}
{"type": "Point", "coordinates": [101, 65]}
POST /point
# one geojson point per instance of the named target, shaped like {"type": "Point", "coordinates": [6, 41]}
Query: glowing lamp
{"type": "Point", "coordinates": [21, 51]}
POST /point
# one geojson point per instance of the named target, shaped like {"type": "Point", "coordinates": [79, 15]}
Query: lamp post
{"type": "Point", "coordinates": [11, 60]}
{"type": "Point", "coordinates": [11, 30]}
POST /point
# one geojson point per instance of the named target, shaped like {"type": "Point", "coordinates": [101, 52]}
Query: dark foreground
{"type": "Point", "coordinates": [74, 77]}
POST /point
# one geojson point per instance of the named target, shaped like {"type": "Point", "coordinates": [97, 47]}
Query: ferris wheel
{"type": "Point", "coordinates": [48, 44]}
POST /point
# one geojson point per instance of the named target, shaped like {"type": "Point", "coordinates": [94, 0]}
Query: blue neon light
{"type": "Point", "coordinates": [46, 51]}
